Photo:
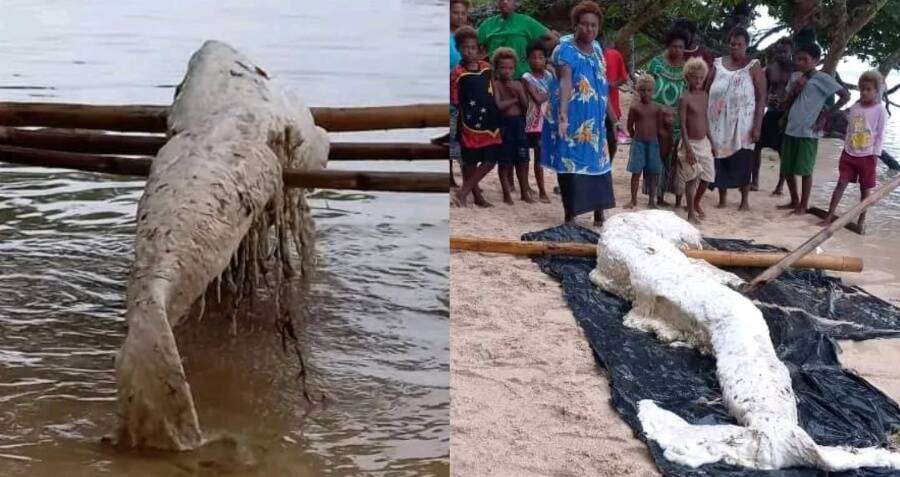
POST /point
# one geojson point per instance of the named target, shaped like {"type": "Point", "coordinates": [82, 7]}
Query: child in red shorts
{"type": "Point", "coordinates": [865, 132]}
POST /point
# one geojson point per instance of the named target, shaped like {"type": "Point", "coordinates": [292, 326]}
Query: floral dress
{"type": "Point", "coordinates": [580, 158]}
{"type": "Point", "coordinates": [583, 150]}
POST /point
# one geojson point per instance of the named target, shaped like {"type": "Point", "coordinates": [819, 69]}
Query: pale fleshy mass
{"type": "Point", "coordinates": [213, 196]}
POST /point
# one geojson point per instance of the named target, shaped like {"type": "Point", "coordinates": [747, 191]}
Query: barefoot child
{"type": "Point", "coordinates": [459, 16]}
{"type": "Point", "coordinates": [537, 85]}
{"type": "Point", "coordinates": [644, 120]}
{"type": "Point", "coordinates": [865, 132]}
{"type": "Point", "coordinates": [512, 102]}
{"type": "Point", "coordinates": [696, 168]}
{"type": "Point", "coordinates": [471, 92]}
{"type": "Point", "coordinates": [808, 90]}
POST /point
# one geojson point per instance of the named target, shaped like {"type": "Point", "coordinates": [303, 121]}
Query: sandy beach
{"type": "Point", "coordinates": [527, 397]}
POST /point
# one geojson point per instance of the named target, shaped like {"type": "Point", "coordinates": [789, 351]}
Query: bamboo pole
{"type": "Point", "coordinates": [718, 258]}
{"type": "Point", "coordinates": [822, 213]}
{"type": "Point", "coordinates": [777, 269]}
{"type": "Point", "coordinates": [148, 145]}
{"type": "Point", "coordinates": [146, 118]}
{"type": "Point", "coordinates": [140, 166]}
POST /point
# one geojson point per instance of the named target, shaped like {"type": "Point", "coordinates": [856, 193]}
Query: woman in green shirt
{"type": "Point", "coordinates": [668, 71]}
{"type": "Point", "coordinates": [513, 30]}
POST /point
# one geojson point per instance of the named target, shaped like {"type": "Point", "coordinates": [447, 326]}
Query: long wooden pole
{"type": "Point", "coordinates": [147, 118]}
{"type": "Point", "coordinates": [140, 166]}
{"type": "Point", "coordinates": [777, 269]}
{"type": "Point", "coordinates": [716, 257]}
{"type": "Point", "coordinates": [149, 144]}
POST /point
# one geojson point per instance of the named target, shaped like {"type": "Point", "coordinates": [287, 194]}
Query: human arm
{"type": "Point", "coordinates": [565, 94]}
{"type": "Point", "coordinates": [682, 109]}
{"type": "Point", "coordinates": [879, 131]}
{"type": "Point", "coordinates": [844, 97]}
{"type": "Point", "coordinates": [794, 88]}
{"type": "Point", "coordinates": [759, 87]}
{"type": "Point", "coordinates": [536, 94]}
{"type": "Point", "coordinates": [503, 102]}
{"type": "Point", "coordinates": [632, 118]}
{"type": "Point", "coordinates": [709, 79]}
{"type": "Point", "coordinates": [612, 115]}
{"type": "Point", "coordinates": [520, 93]}
{"type": "Point", "coordinates": [454, 88]}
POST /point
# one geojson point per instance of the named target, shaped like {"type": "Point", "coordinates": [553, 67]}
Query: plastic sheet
{"type": "Point", "coordinates": [805, 310]}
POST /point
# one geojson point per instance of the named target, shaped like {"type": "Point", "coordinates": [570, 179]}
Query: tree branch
{"type": "Point", "coordinates": [769, 33]}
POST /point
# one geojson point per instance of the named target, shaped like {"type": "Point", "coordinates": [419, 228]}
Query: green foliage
{"type": "Point", "coordinates": [880, 37]}
{"type": "Point", "coordinates": [875, 42]}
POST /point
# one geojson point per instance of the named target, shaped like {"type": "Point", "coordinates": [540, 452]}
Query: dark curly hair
{"type": "Point", "coordinates": [741, 32]}
{"type": "Point", "coordinates": [537, 45]}
{"type": "Point", "coordinates": [677, 34]}
{"type": "Point", "coordinates": [810, 49]}
{"type": "Point", "coordinates": [465, 33]}
{"type": "Point", "coordinates": [583, 8]}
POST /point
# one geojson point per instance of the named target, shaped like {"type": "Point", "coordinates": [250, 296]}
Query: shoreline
{"type": "Point", "coordinates": [516, 345]}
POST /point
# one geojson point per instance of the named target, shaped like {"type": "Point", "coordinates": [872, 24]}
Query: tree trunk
{"type": "Point", "coordinates": [805, 12]}
{"type": "Point", "coordinates": [641, 15]}
{"type": "Point", "coordinates": [889, 63]}
{"type": "Point", "coordinates": [846, 25]}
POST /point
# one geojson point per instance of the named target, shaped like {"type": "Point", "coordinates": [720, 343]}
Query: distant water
{"type": "Point", "coordinates": [374, 322]}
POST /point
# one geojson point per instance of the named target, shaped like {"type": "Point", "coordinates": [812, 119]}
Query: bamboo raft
{"type": "Point", "coordinates": [123, 140]}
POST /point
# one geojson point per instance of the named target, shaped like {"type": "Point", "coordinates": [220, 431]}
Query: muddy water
{"type": "Point", "coordinates": [372, 323]}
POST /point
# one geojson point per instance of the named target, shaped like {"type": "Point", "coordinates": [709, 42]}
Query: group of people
{"type": "Point", "coordinates": [696, 123]}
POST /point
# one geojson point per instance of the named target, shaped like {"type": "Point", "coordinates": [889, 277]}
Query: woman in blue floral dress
{"type": "Point", "coordinates": [574, 134]}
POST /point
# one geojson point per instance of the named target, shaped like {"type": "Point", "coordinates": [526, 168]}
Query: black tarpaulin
{"type": "Point", "coordinates": [805, 311]}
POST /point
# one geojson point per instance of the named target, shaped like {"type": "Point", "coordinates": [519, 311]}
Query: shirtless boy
{"type": "Point", "coordinates": [644, 120]}
{"type": "Point", "coordinates": [512, 101]}
{"type": "Point", "coordinates": [696, 168]}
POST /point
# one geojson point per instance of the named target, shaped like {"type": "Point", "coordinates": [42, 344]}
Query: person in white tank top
{"type": "Point", "coordinates": [737, 99]}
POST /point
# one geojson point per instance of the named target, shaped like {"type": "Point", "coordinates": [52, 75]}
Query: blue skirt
{"type": "Point", "coordinates": [586, 193]}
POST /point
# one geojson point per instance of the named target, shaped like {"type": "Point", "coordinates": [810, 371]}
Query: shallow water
{"type": "Point", "coordinates": [373, 322]}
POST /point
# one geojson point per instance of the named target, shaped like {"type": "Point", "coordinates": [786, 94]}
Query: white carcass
{"type": "Point", "coordinates": [213, 195]}
{"type": "Point", "coordinates": [688, 302]}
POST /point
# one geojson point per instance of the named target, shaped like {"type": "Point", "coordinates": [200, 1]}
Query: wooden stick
{"type": "Point", "coordinates": [411, 116]}
{"type": "Point", "coordinates": [148, 145]}
{"type": "Point", "coordinates": [718, 258]}
{"type": "Point", "coordinates": [777, 269]}
{"type": "Point", "coordinates": [140, 166]}
{"type": "Point", "coordinates": [146, 118]}
{"type": "Point", "coordinates": [822, 213]}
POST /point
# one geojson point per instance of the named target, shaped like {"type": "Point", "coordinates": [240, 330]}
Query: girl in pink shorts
{"type": "Point", "coordinates": [865, 132]}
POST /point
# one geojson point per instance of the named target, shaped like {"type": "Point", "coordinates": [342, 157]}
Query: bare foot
{"type": "Point", "coordinates": [777, 192]}
{"type": "Point", "coordinates": [456, 200]}
{"type": "Point", "coordinates": [721, 205]}
{"type": "Point", "coordinates": [598, 223]}
{"type": "Point", "coordinates": [651, 205]}
{"type": "Point", "coordinates": [799, 211]}
{"type": "Point", "coordinates": [789, 205]}
{"type": "Point", "coordinates": [692, 219]}
{"type": "Point", "coordinates": [754, 187]}
{"type": "Point", "coordinates": [700, 212]}
{"type": "Point", "coordinates": [744, 207]}
{"type": "Point", "coordinates": [662, 201]}
{"type": "Point", "coordinates": [826, 221]}
{"type": "Point", "coordinates": [543, 198]}
{"type": "Point", "coordinates": [508, 200]}
{"type": "Point", "coordinates": [481, 202]}
{"type": "Point", "coordinates": [630, 205]}
{"type": "Point", "coordinates": [527, 198]}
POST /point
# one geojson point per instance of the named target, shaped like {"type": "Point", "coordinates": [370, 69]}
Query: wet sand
{"type": "Point", "coordinates": [527, 397]}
